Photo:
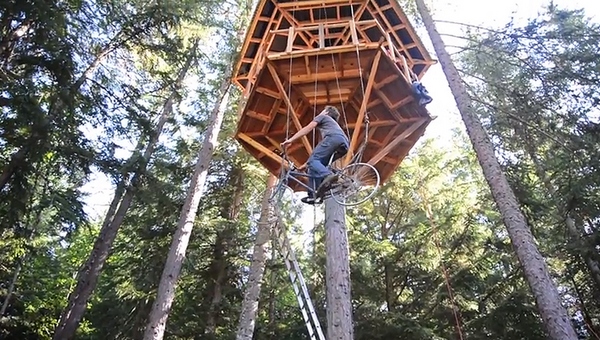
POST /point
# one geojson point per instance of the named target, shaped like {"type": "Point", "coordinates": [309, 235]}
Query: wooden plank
{"type": "Point", "coordinates": [263, 149]}
{"type": "Point", "coordinates": [321, 36]}
{"type": "Point", "coordinates": [391, 51]}
{"type": "Point", "coordinates": [272, 115]}
{"type": "Point", "coordinates": [256, 115]}
{"type": "Point", "coordinates": [290, 39]}
{"type": "Point", "coordinates": [383, 82]}
{"type": "Point", "coordinates": [326, 50]}
{"type": "Point", "coordinates": [353, 32]}
{"type": "Point", "coordinates": [405, 134]}
{"type": "Point", "coordinates": [396, 66]}
{"type": "Point", "coordinates": [249, 34]}
{"type": "Point", "coordinates": [288, 102]}
{"type": "Point", "coordinates": [410, 30]}
{"type": "Point", "coordinates": [402, 102]}
{"type": "Point", "coordinates": [316, 3]}
{"type": "Point", "coordinates": [325, 76]}
{"type": "Point", "coordinates": [363, 107]}
{"type": "Point", "coordinates": [377, 123]}
{"type": "Point", "coordinates": [389, 26]}
{"type": "Point", "coordinates": [324, 24]}
{"type": "Point", "coordinates": [293, 22]}
{"type": "Point", "coordinates": [267, 92]}
{"type": "Point", "coordinates": [406, 70]}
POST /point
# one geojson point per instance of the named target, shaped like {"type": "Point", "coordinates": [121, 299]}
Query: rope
{"type": "Point", "coordinates": [362, 85]}
{"type": "Point", "coordinates": [436, 241]}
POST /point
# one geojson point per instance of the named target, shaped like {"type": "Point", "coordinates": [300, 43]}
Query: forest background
{"type": "Point", "coordinates": [87, 85]}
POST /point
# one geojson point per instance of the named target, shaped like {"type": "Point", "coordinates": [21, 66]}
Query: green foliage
{"type": "Point", "coordinates": [83, 83]}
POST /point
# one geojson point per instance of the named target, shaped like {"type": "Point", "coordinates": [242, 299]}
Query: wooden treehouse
{"type": "Point", "coordinates": [358, 55]}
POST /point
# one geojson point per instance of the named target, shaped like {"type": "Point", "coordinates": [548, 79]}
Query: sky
{"type": "Point", "coordinates": [474, 12]}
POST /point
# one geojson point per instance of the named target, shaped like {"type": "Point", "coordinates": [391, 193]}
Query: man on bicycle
{"type": "Point", "coordinates": [333, 139]}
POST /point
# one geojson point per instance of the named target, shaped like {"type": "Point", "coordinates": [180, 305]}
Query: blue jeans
{"type": "Point", "coordinates": [319, 159]}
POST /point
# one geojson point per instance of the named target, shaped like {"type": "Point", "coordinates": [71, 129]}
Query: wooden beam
{"type": "Point", "coordinates": [324, 76]}
{"type": "Point", "coordinates": [316, 3]}
{"type": "Point", "coordinates": [326, 50]}
{"type": "Point", "coordinates": [353, 33]}
{"type": "Point", "coordinates": [321, 36]}
{"type": "Point", "coordinates": [410, 30]}
{"type": "Point", "coordinates": [290, 39]}
{"type": "Point", "coordinates": [387, 22]}
{"type": "Point", "coordinates": [293, 23]}
{"type": "Point", "coordinates": [267, 92]}
{"type": "Point", "coordinates": [268, 152]}
{"type": "Point", "coordinates": [405, 134]}
{"type": "Point", "coordinates": [402, 102]}
{"type": "Point", "coordinates": [376, 123]}
{"type": "Point", "coordinates": [288, 102]}
{"type": "Point", "coordinates": [324, 24]}
{"type": "Point", "coordinates": [363, 107]}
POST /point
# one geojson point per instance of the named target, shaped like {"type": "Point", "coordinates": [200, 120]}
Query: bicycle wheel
{"type": "Point", "coordinates": [357, 183]}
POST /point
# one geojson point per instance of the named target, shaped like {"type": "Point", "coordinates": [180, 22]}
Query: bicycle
{"type": "Point", "coordinates": [352, 179]}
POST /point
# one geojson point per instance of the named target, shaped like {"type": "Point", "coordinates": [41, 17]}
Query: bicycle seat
{"type": "Point", "coordinates": [340, 152]}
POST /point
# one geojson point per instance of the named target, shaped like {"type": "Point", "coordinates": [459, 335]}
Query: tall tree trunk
{"type": "Point", "coordinates": [249, 312]}
{"type": "Point", "coordinates": [337, 272]}
{"type": "Point", "coordinates": [87, 277]}
{"type": "Point", "coordinates": [554, 315]}
{"type": "Point", "coordinates": [219, 275]}
{"type": "Point", "coordinates": [13, 283]}
{"type": "Point", "coordinates": [157, 319]}
{"type": "Point", "coordinates": [230, 211]}
{"type": "Point", "coordinates": [271, 327]}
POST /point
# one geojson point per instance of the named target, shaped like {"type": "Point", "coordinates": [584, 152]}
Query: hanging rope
{"type": "Point", "coordinates": [449, 289]}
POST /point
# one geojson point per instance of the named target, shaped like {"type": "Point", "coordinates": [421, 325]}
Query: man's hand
{"type": "Point", "coordinates": [302, 167]}
{"type": "Point", "coordinates": [285, 144]}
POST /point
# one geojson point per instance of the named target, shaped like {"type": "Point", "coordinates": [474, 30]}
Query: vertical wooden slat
{"type": "Point", "coordinates": [290, 40]}
{"type": "Point", "coordinates": [321, 36]}
{"type": "Point", "coordinates": [406, 69]}
{"type": "Point", "coordinates": [353, 32]}
{"type": "Point", "coordinates": [391, 47]}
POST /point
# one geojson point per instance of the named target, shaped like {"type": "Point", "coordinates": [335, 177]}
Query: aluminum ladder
{"type": "Point", "coordinates": [298, 283]}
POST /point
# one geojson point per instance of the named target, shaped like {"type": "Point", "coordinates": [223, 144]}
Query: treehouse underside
{"type": "Point", "coordinates": [291, 88]}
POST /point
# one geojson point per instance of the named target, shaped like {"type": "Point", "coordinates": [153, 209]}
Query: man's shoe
{"type": "Point", "coordinates": [308, 200]}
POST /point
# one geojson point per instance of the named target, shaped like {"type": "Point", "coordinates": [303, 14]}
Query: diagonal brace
{"type": "Point", "coordinates": [386, 150]}
{"type": "Point", "coordinates": [288, 102]}
{"type": "Point", "coordinates": [363, 108]}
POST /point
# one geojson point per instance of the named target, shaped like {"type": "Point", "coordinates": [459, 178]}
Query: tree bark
{"type": "Point", "coordinates": [337, 272]}
{"type": "Point", "coordinates": [249, 312]}
{"type": "Point", "coordinates": [554, 315]}
{"type": "Point", "coordinates": [271, 327]}
{"type": "Point", "coordinates": [219, 268]}
{"type": "Point", "coordinates": [157, 319]}
{"type": "Point", "coordinates": [89, 273]}
{"type": "Point", "coordinates": [11, 287]}
{"type": "Point", "coordinates": [247, 322]}
{"type": "Point", "coordinates": [219, 265]}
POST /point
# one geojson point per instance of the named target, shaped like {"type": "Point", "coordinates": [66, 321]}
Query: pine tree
{"type": "Point", "coordinates": [536, 271]}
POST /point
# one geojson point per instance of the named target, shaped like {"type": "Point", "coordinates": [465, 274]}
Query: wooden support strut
{"type": "Point", "coordinates": [288, 102]}
{"type": "Point", "coordinates": [383, 152]}
{"type": "Point", "coordinates": [363, 107]}
{"type": "Point", "coordinates": [261, 148]}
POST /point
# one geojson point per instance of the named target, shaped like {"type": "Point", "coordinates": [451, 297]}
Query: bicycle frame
{"type": "Point", "coordinates": [291, 173]}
